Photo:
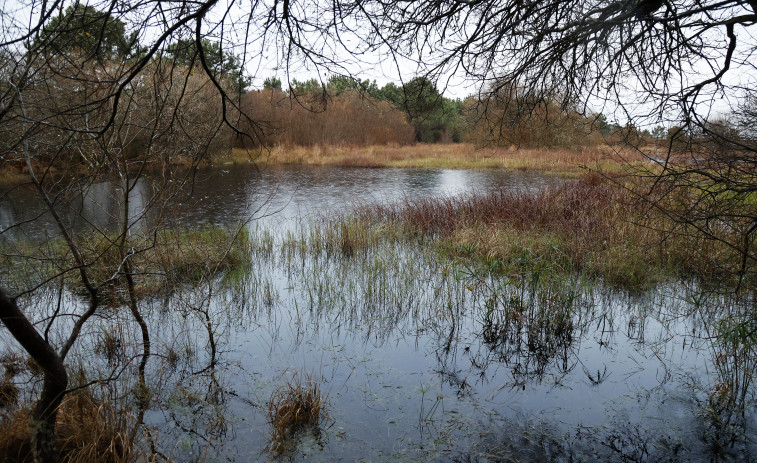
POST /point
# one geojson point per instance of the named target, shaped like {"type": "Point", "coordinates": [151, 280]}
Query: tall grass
{"type": "Point", "coordinates": [88, 430]}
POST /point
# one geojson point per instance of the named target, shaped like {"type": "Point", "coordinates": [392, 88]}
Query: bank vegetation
{"type": "Point", "coordinates": [595, 227]}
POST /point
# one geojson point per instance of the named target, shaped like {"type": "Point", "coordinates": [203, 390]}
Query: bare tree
{"type": "Point", "coordinates": [83, 102]}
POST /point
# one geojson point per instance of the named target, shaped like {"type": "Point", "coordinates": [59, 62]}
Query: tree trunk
{"type": "Point", "coordinates": [42, 422]}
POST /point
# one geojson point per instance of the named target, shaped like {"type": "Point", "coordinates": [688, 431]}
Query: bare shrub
{"type": "Point", "coordinates": [347, 119]}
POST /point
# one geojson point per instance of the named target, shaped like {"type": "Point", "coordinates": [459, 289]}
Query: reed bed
{"type": "Point", "coordinates": [462, 155]}
{"type": "Point", "coordinates": [591, 226]}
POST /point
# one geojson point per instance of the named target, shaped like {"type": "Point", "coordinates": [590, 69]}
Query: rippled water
{"type": "Point", "coordinates": [421, 358]}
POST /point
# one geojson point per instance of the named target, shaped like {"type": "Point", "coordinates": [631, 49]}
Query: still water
{"type": "Point", "coordinates": [226, 195]}
{"type": "Point", "coordinates": [419, 358]}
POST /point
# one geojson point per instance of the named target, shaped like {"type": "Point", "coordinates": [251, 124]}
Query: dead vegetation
{"type": "Point", "coordinates": [459, 155]}
{"type": "Point", "coordinates": [87, 430]}
{"type": "Point", "coordinates": [294, 408]}
{"type": "Point", "coordinates": [594, 226]}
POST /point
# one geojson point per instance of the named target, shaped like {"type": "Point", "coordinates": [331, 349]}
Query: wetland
{"type": "Point", "coordinates": [430, 314]}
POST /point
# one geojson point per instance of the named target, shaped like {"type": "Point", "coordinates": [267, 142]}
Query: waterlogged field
{"type": "Point", "coordinates": [399, 346]}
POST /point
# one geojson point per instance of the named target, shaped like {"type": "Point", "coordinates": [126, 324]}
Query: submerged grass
{"type": "Point", "coordinates": [457, 156]}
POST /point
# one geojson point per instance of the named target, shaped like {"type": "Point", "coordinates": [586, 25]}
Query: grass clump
{"type": "Point", "coordinates": [192, 255]}
{"type": "Point", "coordinates": [294, 408]}
{"type": "Point", "coordinates": [160, 261]}
{"type": "Point", "coordinates": [87, 430]}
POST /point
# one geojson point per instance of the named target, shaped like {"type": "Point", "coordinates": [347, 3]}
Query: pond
{"type": "Point", "coordinates": [276, 196]}
{"type": "Point", "coordinates": [417, 357]}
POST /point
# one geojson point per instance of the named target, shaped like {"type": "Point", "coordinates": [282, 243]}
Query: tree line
{"type": "Point", "coordinates": [92, 46]}
{"type": "Point", "coordinates": [342, 109]}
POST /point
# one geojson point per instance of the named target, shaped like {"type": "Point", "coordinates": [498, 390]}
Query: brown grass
{"type": "Point", "coordinates": [448, 156]}
{"type": "Point", "coordinates": [8, 393]}
{"type": "Point", "coordinates": [87, 430]}
{"type": "Point", "coordinates": [461, 155]}
{"type": "Point", "coordinates": [295, 407]}
{"type": "Point", "coordinates": [575, 207]}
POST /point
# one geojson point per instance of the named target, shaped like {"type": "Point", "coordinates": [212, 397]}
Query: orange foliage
{"type": "Point", "coordinates": [347, 119]}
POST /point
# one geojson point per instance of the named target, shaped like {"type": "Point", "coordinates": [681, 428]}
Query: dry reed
{"type": "Point", "coordinates": [87, 430]}
{"type": "Point", "coordinates": [459, 155]}
{"type": "Point", "coordinates": [591, 226]}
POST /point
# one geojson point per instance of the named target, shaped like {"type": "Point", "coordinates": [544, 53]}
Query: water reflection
{"type": "Point", "coordinates": [448, 350]}
{"type": "Point", "coordinates": [81, 207]}
{"type": "Point", "coordinates": [223, 195]}
{"type": "Point", "coordinates": [446, 367]}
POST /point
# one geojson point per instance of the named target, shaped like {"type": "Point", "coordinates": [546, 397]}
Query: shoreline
{"type": "Point", "coordinates": [560, 162]}
{"type": "Point", "coordinates": [448, 156]}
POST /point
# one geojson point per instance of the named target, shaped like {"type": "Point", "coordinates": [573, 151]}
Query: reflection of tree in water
{"type": "Point", "coordinates": [522, 438]}
{"type": "Point", "coordinates": [537, 334]}
{"type": "Point", "coordinates": [533, 331]}
{"type": "Point", "coordinates": [728, 399]}
{"type": "Point", "coordinates": [528, 334]}
{"type": "Point", "coordinates": [195, 404]}
{"type": "Point", "coordinates": [181, 409]}
{"type": "Point", "coordinates": [525, 438]}
{"type": "Point", "coordinates": [479, 326]}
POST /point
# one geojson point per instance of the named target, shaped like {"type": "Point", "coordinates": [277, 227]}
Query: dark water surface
{"type": "Point", "coordinates": [421, 359]}
{"type": "Point", "coordinates": [274, 196]}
